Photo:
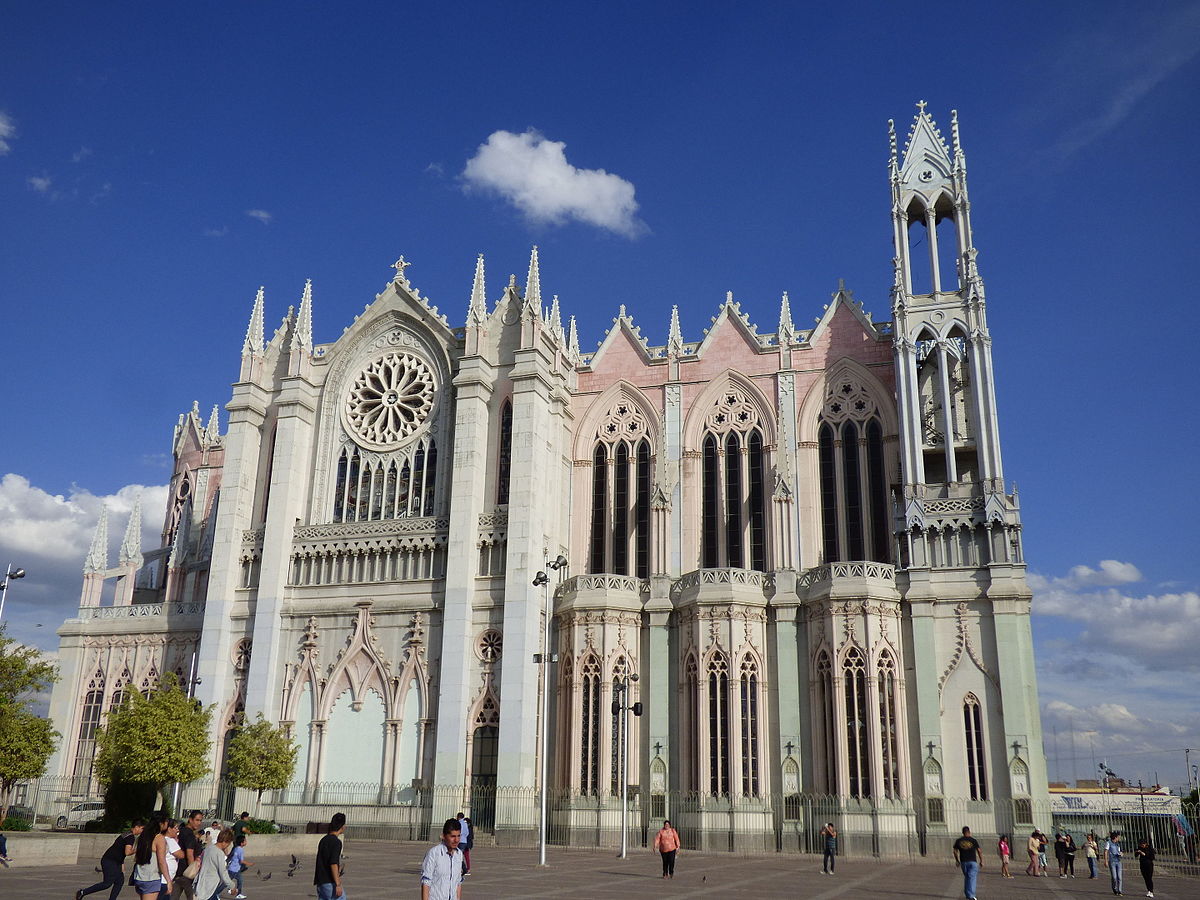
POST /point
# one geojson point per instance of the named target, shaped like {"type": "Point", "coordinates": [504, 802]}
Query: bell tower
{"type": "Point", "coordinates": [943, 348]}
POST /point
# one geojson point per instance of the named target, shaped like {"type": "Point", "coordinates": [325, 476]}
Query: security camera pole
{"type": "Point", "coordinates": [621, 705]}
{"type": "Point", "coordinates": [544, 659]}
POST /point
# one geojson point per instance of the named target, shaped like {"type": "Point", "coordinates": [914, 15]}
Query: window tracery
{"type": "Point", "coordinates": [973, 734]}
{"type": "Point", "coordinates": [621, 486]}
{"type": "Point", "coordinates": [749, 723]}
{"type": "Point", "coordinates": [733, 498]}
{"type": "Point", "coordinates": [858, 748]}
{"type": "Point", "coordinates": [888, 725]}
{"type": "Point", "coordinates": [718, 725]}
{"type": "Point", "coordinates": [589, 732]}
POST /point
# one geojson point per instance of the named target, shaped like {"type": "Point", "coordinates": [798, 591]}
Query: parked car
{"type": "Point", "coordinates": [78, 814]}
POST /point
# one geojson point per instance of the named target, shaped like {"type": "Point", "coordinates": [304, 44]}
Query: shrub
{"type": "Point", "coordinates": [261, 826]}
{"type": "Point", "coordinates": [15, 824]}
{"type": "Point", "coordinates": [125, 801]}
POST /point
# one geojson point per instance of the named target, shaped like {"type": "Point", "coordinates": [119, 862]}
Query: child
{"type": "Point", "coordinates": [238, 864]}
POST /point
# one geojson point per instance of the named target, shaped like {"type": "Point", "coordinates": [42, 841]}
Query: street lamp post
{"type": "Point", "coordinates": [8, 576]}
{"type": "Point", "coordinates": [622, 705]}
{"type": "Point", "coordinates": [542, 580]}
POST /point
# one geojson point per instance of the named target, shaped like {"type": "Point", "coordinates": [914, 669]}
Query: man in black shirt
{"type": "Point", "coordinates": [328, 876]}
{"type": "Point", "coordinates": [112, 863]}
{"type": "Point", "coordinates": [967, 857]}
{"type": "Point", "coordinates": [239, 827]}
{"type": "Point", "coordinates": [189, 843]}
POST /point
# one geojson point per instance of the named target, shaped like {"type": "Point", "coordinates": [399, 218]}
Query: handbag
{"type": "Point", "coordinates": [194, 869]}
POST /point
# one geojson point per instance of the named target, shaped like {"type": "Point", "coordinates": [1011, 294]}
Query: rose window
{"type": "Point", "coordinates": [390, 399]}
{"type": "Point", "coordinates": [490, 645]}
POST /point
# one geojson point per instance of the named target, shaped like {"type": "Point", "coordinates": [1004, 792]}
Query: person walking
{"type": "Point", "coordinates": [1031, 847]}
{"type": "Point", "coordinates": [441, 870]}
{"type": "Point", "coordinates": [464, 841]}
{"type": "Point", "coordinates": [829, 855]}
{"type": "Point", "coordinates": [968, 858]}
{"type": "Point", "coordinates": [1112, 859]}
{"type": "Point", "coordinates": [112, 863]}
{"type": "Point", "coordinates": [213, 876]}
{"type": "Point", "coordinates": [238, 864]}
{"type": "Point", "coordinates": [1145, 857]}
{"type": "Point", "coordinates": [239, 827]}
{"type": "Point", "coordinates": [1005, 853]}
{"type": "Point", "coordinates": [1091, 850]}
{"type": "Point", "coordinates": [189, 843]}
{"type": "Point", "coordinates": [666, 842]}
{"type": "Point", "coordinates": [328, 875]}
{"type": "Point", "coordinates": [174, 854]}
{"type": "Point", "coordinates": [1043, 842]}
{"type": "Point", "coordinates": [1060, 853]}
{"type": "Point", "coordinates": [1069, 853]}
{"type": "Point", "coordinates": [150, 860]}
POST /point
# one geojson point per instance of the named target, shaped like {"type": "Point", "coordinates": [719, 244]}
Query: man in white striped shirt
{"type": "Point", "coordinates": [441, 872]}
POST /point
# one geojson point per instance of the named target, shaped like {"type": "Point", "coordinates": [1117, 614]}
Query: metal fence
{"type": "Point", "coordinates": [774, 823]}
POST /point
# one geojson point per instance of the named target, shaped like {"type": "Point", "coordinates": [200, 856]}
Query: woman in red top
{"type": "Point", "coordinates": [1005, 852]}
{"type": "Point", "coordinates": [666, 842]}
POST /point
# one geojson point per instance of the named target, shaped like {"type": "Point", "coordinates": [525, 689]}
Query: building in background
{"type": "Point", "coordinates": [801, 542]}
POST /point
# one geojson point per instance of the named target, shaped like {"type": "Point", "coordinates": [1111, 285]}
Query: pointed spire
{"type": "Point", "coordinates": [674, 335]}
{"type": "Point", "coordinates": [787, 330]}
{"type": "Point", "coordinates": [254, 332]}
{"type": "Point", "coordinates": [302, 336]}
{"type": "Point", "coordinates": [893, 158]}
{"type": "Point", "coordinates": [556, 320]}
{"type": "Point", "coordinates": [183, 530]}
{"type": "Point", "coordinates": [533, 285]}
{"type": "Point", "coordinates": [131, 545]}
{"type": "Point", "coordinates": [573, 342]}
{"type": "Point", "coordinates": [97, 558]}
{"type": "Point", "coordinates": [477, 310]}
{"type": "Point", "coordinates": [212, 431]}
{"type": "Point", "coordinates": [955, 141]}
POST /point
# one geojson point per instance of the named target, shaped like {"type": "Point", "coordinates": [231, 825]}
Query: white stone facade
{"type": "Point", "coordinates": [802, 542]}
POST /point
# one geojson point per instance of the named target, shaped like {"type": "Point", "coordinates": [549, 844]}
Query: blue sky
{"type": "Point", "coordinates": [158, 162]}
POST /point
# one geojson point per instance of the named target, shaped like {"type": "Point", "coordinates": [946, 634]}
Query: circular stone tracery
{"type": "Point", "coordinates": [390, 400]}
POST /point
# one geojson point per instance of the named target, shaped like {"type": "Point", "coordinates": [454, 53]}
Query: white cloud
{"type": "Point", "coordinates": [532, 173]}
{"type": "Point", "coordinates": [1111, 571]}
{"type": "Point", "coordinates": [49, 534]}
{"type": "Point", "coordinates": [40, 183]}
{"type": "Point", "coordinates": [261, 214]}
{"type": "Point", "coordinates": [8, 131]}
{"type": "Point", "coordinates": [216, 232]}
{"type": "Point", "coordinates": [81, 154]}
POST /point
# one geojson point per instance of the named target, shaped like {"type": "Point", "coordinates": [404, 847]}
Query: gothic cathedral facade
{"type": "Point", "coordinates": [796, 551]}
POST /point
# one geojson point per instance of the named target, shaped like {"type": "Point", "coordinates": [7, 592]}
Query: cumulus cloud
{"type": "Point", "coordinates": [8, 131]}
{"type": "Point", "coordinates": [49, 534]}
{"type": "Point", "coordinates": [261, 214]}
{"type": "Point", "coordinates": [40, 183]}
{"type": "Point", "coordinates": [533, 174]}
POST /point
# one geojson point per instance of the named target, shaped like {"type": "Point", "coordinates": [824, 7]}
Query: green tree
{"type": "Point", "coordinates": [157, 739]}
{"type": "Point", "coordinates": [261, 757]}
{"type": "Point", "coordinates": [26, 740]}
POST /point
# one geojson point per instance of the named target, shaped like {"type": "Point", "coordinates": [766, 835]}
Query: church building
{"type": "Point", "coordinates": [796, 551]}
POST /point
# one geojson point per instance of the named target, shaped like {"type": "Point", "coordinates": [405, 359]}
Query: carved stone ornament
{"type": "Point", "coordinates": [389, 400]}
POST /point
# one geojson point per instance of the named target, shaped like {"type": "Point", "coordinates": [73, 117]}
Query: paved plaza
{"type": "Point", "coordinates": [381, 871]}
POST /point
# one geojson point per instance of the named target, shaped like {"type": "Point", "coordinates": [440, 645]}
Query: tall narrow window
{"type": "Point", "coordinates": [620, 675]}
{"type": "Point", "coordinates": [853, 475]}
{"type": "Point", "coordinates": [973, 732]}
{"type": "Point", "coordinates": [827, 726]}
{"type": "Point", "coordinates": [947, 245]}
{"type": "Point", "coordinates": [621, 480]}
{"type": "Point", "coordinates": [889, 742]}
{"type": "Point", "coordinates": [369, 487]}
{"type": "Point", "coordinates": [920, 260]}
{"type": "Point", "coordinates": [589, 732]}
{"type": "Point", "coordinates": [734, 467]}
{"type": "Point", "coordinates": [858, 748]}
{"type": "Point", "coordinates": [692, 685]}
{"type": "Point", "coordinates": [504, 455]}
{"type": "Point", "coordinates": [85, 747]}
{"type": "Point", "coordinates": [749, 704]}
{"type": "Point", "coordinates": [718, 725]}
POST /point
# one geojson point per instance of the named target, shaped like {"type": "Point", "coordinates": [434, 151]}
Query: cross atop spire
{"type": "Point", "coordinates": [477, 309]}
{"type": "Point", "coordinates": [302, 336]}
{"type": "Point", "coordinates": [131, 545]}
{"type": "Point", "coordinates": [533, 285]}
{"type": "Point", "coordinates": [254, 332]}
{"type": "Point", "coordinates": [400, 265]}
{"type": "Point", "coordinates": [926, 156]}
{"type": "Point", "coordinates": [921, 104]}
{"type": "Point", "coordinates": [97, 558]}
{"type": "Point", "coordinates": [674, 335]}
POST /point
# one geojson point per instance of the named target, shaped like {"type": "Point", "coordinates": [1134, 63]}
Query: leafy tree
{"type": "Point", "coordinates": [26, 742]}
{"type": "Point", "coordinates": [156, 740]}
{"type": "Point", "coordinates": [261, 757]}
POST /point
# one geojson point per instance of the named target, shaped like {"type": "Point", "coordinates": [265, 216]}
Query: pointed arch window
{"type": "Point", "coordinates": [858, 747]}
{"type": "Point", "coordinates": [85, 746]}
{"type": "Point", "coordinates": [589, 731]}
{"type": "Point", "coordinates": [718, 725]}
{"type": "Point", "coordinates": [889, 725]}
{"type": "Point", "coordinates": [748, 695]}
{"type": "Point", "coordinates": [504, 454]}
{"type": "Point", "coordinates": [973, 735]}
{"type": "Point", "coordinates": [622, 475]}
{"type": "Point", "coordinates": [826, 725]}
{"type": "Point", "coordinates": [371, 486]}
{"type": "Point", "coordinates": [691, 678]}
{"type": "Point", "coordinates": [852, 465]}
{"type": "Point", "coordinates": [733, 504]}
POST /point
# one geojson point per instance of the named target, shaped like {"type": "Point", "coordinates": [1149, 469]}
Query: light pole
{"type": "Point", "coordinates": [542, 580]}
{"type": "Point", "coordinates": [8, 576]}
{"type": "Point", "coordinates": [621, 705]}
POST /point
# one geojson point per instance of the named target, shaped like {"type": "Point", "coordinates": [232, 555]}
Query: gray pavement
{"type": "Point", "coordinates": [382, 871]}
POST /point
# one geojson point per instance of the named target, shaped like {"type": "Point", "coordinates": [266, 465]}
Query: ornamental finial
{"type": "Point", "coordinates": [400, 265]}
